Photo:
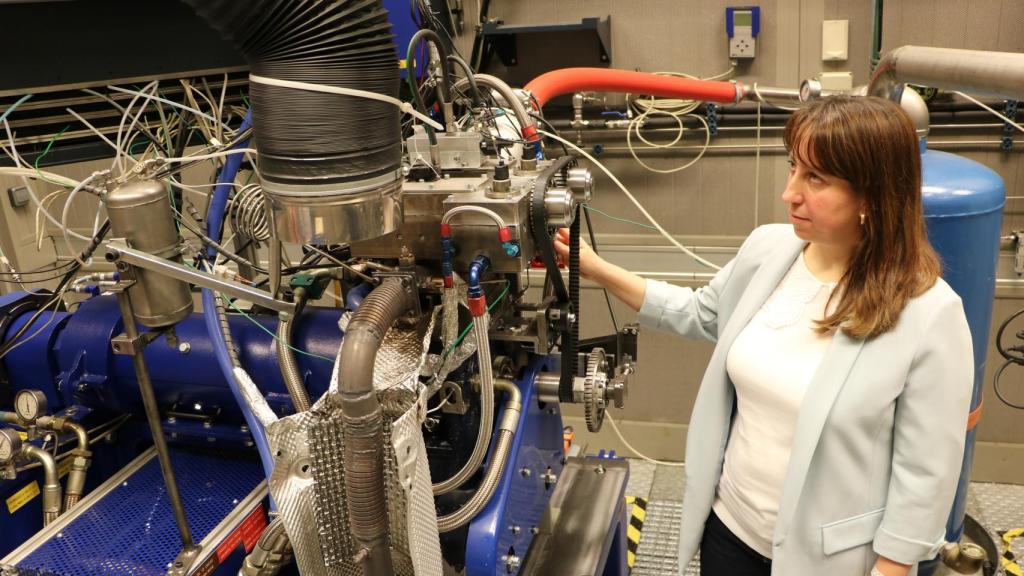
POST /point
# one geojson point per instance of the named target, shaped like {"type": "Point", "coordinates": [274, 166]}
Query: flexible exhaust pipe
{"type": "Point", "coordinates": [362, 423]}
{"type": "Point", "coordinates": [996, 74]}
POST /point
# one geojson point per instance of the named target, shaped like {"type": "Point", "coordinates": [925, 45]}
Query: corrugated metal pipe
{"type": "Point", "coordinates": [995, 74]}
{"type": "Point", "coordinates": [362, 423]}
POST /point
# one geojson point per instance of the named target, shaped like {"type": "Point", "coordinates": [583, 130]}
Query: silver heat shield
{"type": "Point", "coordinates": [308, 482]}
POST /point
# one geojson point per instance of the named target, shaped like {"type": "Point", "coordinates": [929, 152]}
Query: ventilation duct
{"type": "Point", "coordinates": [330, 165]}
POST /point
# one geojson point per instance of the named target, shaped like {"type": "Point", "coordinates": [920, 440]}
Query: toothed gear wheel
{"type": "Point", "coordinates": [594, 385]}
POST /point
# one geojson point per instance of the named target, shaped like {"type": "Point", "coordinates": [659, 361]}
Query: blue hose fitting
{"type": "Point", "coordinates": [476, 271]}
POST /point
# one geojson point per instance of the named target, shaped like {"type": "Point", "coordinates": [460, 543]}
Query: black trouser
{"type": "Point", "coordinates": [723, 554]}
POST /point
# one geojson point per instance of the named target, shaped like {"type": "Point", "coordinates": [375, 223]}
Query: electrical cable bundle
{"type": "Point", "coordinates": [308, 137]}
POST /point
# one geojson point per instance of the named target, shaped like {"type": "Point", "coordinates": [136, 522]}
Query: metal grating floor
{"type": "Point", "coordinates": [999, 507]}
{"type": "Point", "coordinates": [132, 530]}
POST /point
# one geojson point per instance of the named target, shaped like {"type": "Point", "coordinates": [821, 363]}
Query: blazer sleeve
{"type": "Point", "coordinates": [928, 439]}
{"type": "Point", "coordinates": [685, 311]}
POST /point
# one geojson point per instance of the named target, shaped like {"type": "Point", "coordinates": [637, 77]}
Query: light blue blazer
{"type": "Point", "coordinates": [880, 435]}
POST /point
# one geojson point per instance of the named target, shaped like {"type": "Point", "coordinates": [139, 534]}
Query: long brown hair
{"type": "Point", "coordinates": [870, 143]}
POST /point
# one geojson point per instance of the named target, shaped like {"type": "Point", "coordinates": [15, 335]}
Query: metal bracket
{"type": "Point", "coordinates": [125, 346]}
{"type": "Point", "coordinates": [711, 112]}
{"type": "Point", "coordinates": [118, 251]}
{"type": "Point", "coordinates": [1010, 111]}
{"type": "Point", "coordinates": [456, 404]}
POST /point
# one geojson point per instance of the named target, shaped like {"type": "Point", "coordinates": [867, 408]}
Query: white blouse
{"type": "Point", "coordinates": [771, 364]}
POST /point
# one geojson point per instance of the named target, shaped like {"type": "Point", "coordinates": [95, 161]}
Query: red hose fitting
{"type": "Point", "coordinates": [449, 282]}
{"type": "Point", "coordinates": [446, 230]}
{"type": "Point", "coordinates": [504, 234]}
{"type": "Point", "coordinates": [478, 306]}
{"type": "Point", "coordinates": [569, 80]}
{"type": "Point", "coordinates": [530, 133]}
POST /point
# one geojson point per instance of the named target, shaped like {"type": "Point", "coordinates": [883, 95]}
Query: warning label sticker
{"type": "Point", "coordinates": [22, 497]}
{"type": "Point", "coordinates": [246, 534]}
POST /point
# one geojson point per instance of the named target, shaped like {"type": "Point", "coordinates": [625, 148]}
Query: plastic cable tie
{"type": "Point", "coordinates": [403, 106]}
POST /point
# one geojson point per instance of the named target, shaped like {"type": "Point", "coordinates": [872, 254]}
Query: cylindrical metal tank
{"type": "Point", "coordinates": [140, 212]}
{"type": "Point", "coordinates": [963, 207]}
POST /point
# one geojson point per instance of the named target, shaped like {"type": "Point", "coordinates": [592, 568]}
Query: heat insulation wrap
{"type": "Point", "coordinates": [309, 475]}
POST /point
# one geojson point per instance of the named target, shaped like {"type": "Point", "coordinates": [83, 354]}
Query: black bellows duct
{"type": "Point", "coordinates": [329, 164]}
{"type": "Point", "coordinates": [307, 137]}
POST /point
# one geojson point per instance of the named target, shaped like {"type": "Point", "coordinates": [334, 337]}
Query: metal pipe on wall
{"type": "Point", "coordinates": [996, 74]}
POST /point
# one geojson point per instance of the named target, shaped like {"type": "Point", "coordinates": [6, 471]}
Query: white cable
{"type": "Point", "coordinates": [1005, 119]}
{"type": "Point", "coordinates": [212, 155]}
{"type": "Point", "coordinates": [39, 175]}
{"type": "Point", "coordinates": [761, 99]}
{"type": "Point", "coordinates": [155, 84]}
{"type": "Point", "coordinates": [404, 106]}
{"type": "Point", "coordinates": [96, 131]}
{"type": "Point", "coordinates": [165, 101]}
{"type": "Point", "coordinates": [67, 211]}
{"type": "Point", "coordinates": [637, 452]}
{"type": "Point", "coordinates": [639, 120]}
{"type": "Point", "coordinates": [633, 199]}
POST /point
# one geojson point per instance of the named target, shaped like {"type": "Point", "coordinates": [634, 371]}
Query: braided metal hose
{"type": "Point", "coordinates": [290, 367]}
{"type": "Point", "coordinates": [272, 551]}
{"type": "Point", "coordinates": [496, 469]}
{"type": "Point", "coordinates": [481, 325]}
{"type": "Point", "coordinates": [51, 481]}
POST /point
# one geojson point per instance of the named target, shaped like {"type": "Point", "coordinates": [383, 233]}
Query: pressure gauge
{"type": "Point", "coordinates": [10, 445]}
{"type": "Point", "coordinates": [30, 404]}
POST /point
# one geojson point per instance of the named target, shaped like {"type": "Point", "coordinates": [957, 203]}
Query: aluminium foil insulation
{"type": "Point", "coordinates": [309, 476]}
{"type": "Point", "coordinates": [329, 164]}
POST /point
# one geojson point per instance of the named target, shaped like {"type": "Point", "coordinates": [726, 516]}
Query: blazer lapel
{"type": "Point", "coordinates": [814, 410]}
{"type": "Point", "coordinates": [762, 284]}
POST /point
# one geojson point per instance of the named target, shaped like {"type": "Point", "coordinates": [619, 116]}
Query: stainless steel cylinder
{"type": "Point", "coordinates": [335, 213]}
{"type": "Point", "coordinates": [140, 212]}
{"type": "Point", "coordinates": [560, 207]}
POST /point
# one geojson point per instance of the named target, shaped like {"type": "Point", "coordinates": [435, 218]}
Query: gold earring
{"type": "Point", "coordinates": [861, 218]}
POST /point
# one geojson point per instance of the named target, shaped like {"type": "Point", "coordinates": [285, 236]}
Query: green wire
{"type": "Point", "coordinates": [46, 151]}
{"type": "Point", "coordinates": [470, 326]}
{"type": "Point", "coordinates": [617, 219]}
{"type": "Point", "coordinates": [245, 100]}
{"type": "Point", "coordinates": [274, 336]}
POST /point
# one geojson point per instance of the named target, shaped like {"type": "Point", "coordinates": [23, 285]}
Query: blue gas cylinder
{"type": "Point", "coordinates": [963, 208]}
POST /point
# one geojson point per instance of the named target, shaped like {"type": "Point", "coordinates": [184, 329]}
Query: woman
{"type": "Point", "coordinates": [828, 431]}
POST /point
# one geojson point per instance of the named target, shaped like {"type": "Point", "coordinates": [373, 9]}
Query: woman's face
{"type": "Point", "coordinates": [823, 208]}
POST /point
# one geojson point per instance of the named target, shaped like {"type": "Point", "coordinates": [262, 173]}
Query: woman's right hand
{"type": "Point", "coordinates": [590, 262]}
{"type": "Point", "coordinates": [625, 285]}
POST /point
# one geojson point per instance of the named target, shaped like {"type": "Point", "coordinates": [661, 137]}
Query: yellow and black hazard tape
{"type": "Point", "coordinates": [636, 525]}
{"type": "Point", "coordinates": [1008, 560]}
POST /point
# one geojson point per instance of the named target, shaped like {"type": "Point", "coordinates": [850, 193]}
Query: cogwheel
{"type": "Point", "coordinates": [594, 385]}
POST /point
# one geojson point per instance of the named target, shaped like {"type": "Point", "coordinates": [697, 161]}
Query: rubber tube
{"type": "Point", "coordinates": [569, 80]}
{"type": "Point", "coordinates": [215, 220]}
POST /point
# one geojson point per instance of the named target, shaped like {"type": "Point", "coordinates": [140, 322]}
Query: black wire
{"type": "Point", "coordinates": [85, 255]}
{"type": "Point", "coordinates": [995, 385]}
{"type": "Point", "coordinates": [553, 130]}
{"type": "Point", "coordinates": [593, 244]}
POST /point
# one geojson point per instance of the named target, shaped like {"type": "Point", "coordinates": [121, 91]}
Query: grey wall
{"type": "Point", "coordinates": [719, 200]}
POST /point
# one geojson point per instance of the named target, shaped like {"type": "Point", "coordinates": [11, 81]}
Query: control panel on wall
{"type": "Point", "coordinates": [742, 24]}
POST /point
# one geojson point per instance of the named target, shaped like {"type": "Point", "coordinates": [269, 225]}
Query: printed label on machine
{"type": "Point", "coordinates": [22, 497]}
{"type": "Point", "coordinates": [247, 534]}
